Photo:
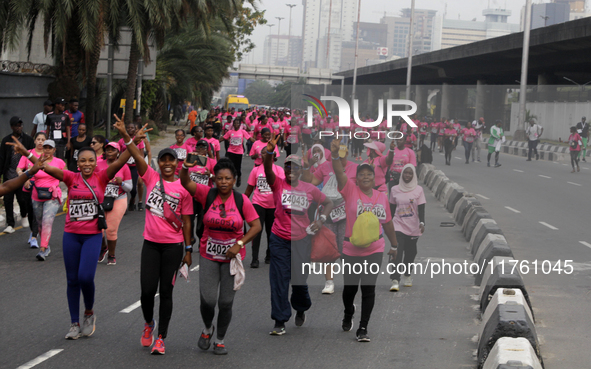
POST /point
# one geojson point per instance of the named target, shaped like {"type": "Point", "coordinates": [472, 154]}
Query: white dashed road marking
{"type": "Point", "coordinates": [539, 175]}
{"type": "Point", "coordinates": [576, 184]}
{"type": "Point", "coordinates": [513, 210]}
{"type": "Point", "coordinates": [133, 306]}
{"type": "Point", "coordinates": [517, 170]}
{"type": "Point", "coordinates": [195, 268]}
{"type": "Point", "coordinates": [39, 359]}
{"type": "Point", "coordinates": [586, 244]}
{"type": "Point", "coordinates": [548, 225]}
{"type": "Point", "coordinates": [484, 197]}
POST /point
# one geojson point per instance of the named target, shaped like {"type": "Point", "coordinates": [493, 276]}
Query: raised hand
{"type": "Point", "coordinates": [272, 143]}
{"type": "Point", "coordinates": [141, 134]}
{"type": "Point", "coordinates": [393, 145]}
{"type": "Point", "coordinates": [186, 162]}
{"type": "Point", "coordinates": [39, 165]}
{"type": "Point", "coordinates": [334, 147]}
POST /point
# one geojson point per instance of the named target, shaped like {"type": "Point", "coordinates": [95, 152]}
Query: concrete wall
{"type": "Point", "coordinates": [556, 117]}
{"type": "Point", "coordinates": [21, 95]}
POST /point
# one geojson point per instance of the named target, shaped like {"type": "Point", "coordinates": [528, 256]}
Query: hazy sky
{"type": "Point", "coordinates": [373, 10]}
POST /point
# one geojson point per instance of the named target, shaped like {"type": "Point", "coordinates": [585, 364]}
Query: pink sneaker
{"type": "Point", "coordinates": [158, 348]}
{"type": "Point", "coordinates": [148, 335]}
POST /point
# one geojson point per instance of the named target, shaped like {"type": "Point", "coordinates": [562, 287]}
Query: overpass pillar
{"type": "Point", "coordinates": [392, 93]}
{"type": "Point", "coordinates": [445, 100]}
{"type": "Point", "coordinates": [371, 103]}
{"type": "Point", "coordinates": [545, 91]}
{"type": "Point", "coordinates": [480, 98]}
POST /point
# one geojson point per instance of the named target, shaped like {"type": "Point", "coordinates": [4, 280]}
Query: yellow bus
{"type": "Point", "coordinates": [237, 102]}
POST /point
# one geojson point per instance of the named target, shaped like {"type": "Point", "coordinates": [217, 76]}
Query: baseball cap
{"type": "Point", "coordinates": [202, 143]}
{"type": "Point", "coordinates": [365, 166]}
{"type": "Point", "coordinates": [167, 151]}
{"type": "Point", "coordinates": [48, 103]}
{"type": "Point", "coordinates": [294, 159]}
{"type": "Point", "coordinates": [60, 100]}
{"type": "Point", "coordinates": [376, 146]}
{"type": "Point", "coordinates": [343, 150]}
{"type": "Point", "coordinates": [115, 145]}
{"type": "Point", "coordinates": [15, 120]}
{"type": "Point", "coordinates": [49, 143]}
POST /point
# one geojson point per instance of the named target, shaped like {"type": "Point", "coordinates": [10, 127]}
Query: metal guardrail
{"type": "Point", "coordinates": [26, 67]}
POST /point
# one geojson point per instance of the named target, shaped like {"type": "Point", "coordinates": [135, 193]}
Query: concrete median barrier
{"type": "Point", "coordinates": [471, 220]}
{"type": "Point", "coordinates": [501, 273]}
{"type": "Point", "coordinates": [454, 195]}
{"type": "Point", "coordinates": [505, 296]}
{"type": "Point", "coordinates": [422, 171]}
{"type": "Point", "coordinates": [493, 246]}
{"type": "Point", "coordinates": [507, 320]}
{"type": "Point", "coordinates": [485, 226]}
{"type": "Point", "coordinates": [512, 353]}
{"type": "Point", "coordinates": [436, 180]}
{"type": "Point", "coordinates": [462, 208]}
{"type": "Point", "coordinates": [439, 190]}
{"type": "Point", "coordinates": [428, 175]}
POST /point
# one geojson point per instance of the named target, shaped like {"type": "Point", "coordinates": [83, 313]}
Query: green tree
{"type": "Point", "coordinates": [259, 92]}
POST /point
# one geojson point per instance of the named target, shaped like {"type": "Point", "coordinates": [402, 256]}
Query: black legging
{"type": "Point", "coordinates": [160, 262]}
{"type": "Point", "coordinates": [574, 158]}
{"type": "Point", "coordinates": [448, 146]}
{"type": "Point", "coordinates": [368, 286]}
{"type": "Point", "coordinates": [266, 216]}
{"type": "Point", "coordinates": [496, 157]}
{"type": "Point", "coordinates": [237, 161]}
{"type": "Point", "coordinates": [407, 251]}
{"type": "Point", "coordinates": [133, 192]}
{"type": "Point", "coordinates": [433, 145]}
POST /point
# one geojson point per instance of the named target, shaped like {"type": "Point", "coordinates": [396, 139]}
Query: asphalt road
{"type": "Point", "coordinates": [543, 209]}
{"type": "Point", "coordinates": [431, 325]}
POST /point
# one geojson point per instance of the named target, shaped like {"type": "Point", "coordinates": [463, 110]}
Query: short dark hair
{"type": "Point", "coordinates": [180, 130]}
{"type": "Point", "coordinates": [73, 101]}
{"type": "Point", "coordinates": [40, 133]}
{"type": "Point", "coordinates": [87, 148]}
{"type": "Point", "coordinates": [225, 163]}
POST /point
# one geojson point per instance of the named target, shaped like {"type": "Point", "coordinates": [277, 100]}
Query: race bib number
{"type": "Point", "coordinates": [81, 210]}
{"type": "Point", "coordinates": [155, 202]}
{"type": "Point", "coordinates": [433, 130]}
{"type": "Point", "coordinates": [181, 153]}
{"type": "Point", "coordinates": [295, 202]}
{"type": "Point", "coordinates": [216, 249]}
{"type": "Point", "coordinates": [57, 135]}
{"type": "Point", "coordinates": [75, 155]}
{"type": "Point", "coordinates": [131, 161]}
{"type": "Point", "coordinates": [199, 178]}
{"type": "Point", "coordinates": [263, 185]}
{"type": "Point", "coordinates": [469, 139]}
{"type": "Point", "coordinates": [338, 213]}
{"type": "Point", "coordinates": [291, 139]}
{"type": "Point", "coordinates": [378, 210]}
{"type": "Point", "coordinates": [112, 190]}
{"type": "Point", "coordinates": [236, 141]}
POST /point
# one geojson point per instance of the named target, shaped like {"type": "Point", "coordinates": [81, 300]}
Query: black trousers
{"type": "Point", "coordinates": [9, 204]}
{"type": "Point", "coordinates": [532, 147]}
{"type": "Point", "coordinates": [368, 286]}
{"type": "Point", "coordinates": [159, 265]}
{"type": "Point", "coordinates": [266, 216]}
{"type": "Point", "coordinates": [134, 176]}
{"type": "Point", "coordinates": [407, 251]}
{"type": "Point", "coordinates": [31, 214]}
{"type": "Point", "coordinates": [237, 161]}
{"type": "Point", "coordinates": [448, 145]}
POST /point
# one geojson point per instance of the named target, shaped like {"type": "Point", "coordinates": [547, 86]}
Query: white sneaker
{"type": "Point", "coordinates": [328, 287]}
{"type": "Point", "coordinates": [8, 229]}
{"type": "Point", "coordinates": [74, 332]}
{"type": "Point", "coordinates": [407, 281]}
{"type": "Point", "coordinates": [25, 222]}
{"type": "Point", "coordinates": [395, 286]}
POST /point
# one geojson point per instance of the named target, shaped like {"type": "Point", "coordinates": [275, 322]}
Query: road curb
{"type": "Point", "coordinates": [500, 273]}
{"type": "Point", "coordinates": [512, 353]}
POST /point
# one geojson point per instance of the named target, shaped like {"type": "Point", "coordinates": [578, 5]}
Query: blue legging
{"type": "Point", "coordinates": [81, 252]}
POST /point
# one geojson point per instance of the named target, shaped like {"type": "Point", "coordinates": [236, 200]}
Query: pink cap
{"type": "Point", "coordinates": [115, 145]}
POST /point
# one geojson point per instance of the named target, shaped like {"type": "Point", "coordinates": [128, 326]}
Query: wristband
{"type": "Point", "coordinates": [422, 223]}
{"type": "Point", "coordinates": [129, 143]}
{"type": "Point", "coordinates": [189, 249]}
{"type": "Point", "coordinates": [29, 175]}
{"type": "Point", "coordinates": [337, 158]}
{"type": "Point", "coordinates": [390, 150]}
{"type": "Point", "coordinates": [322, 218]}
{"type": "Point", "coordinates": [270, 153]}
{"type": "Point", "coordinates": [393, 248]}
{"type": "Point", "coordinates": [30, 154]}
{"type": "Point", "coordinates": [184, 167]}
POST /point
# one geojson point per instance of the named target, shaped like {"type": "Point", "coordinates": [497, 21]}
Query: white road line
{"type": "Point", "coordinates": [513, 210]}
{"type": "Point", "coordinates": [585, 168]}
{"type": "Point", "coordinates": [517, 170]}
{"type": "Point", "coordinates": [484, 197]}
{"type": "Point", "coordinates": [195, 268]}
{"type": "Point", "coordinates": [39, 359]}
{"type": "Point", "coordinates": [565, 164]}
{"type": "Point", "coordinates": [539, 175]}
{"type": "Point", "coordinates": [548, 225]}
{"type": "Point", "coordinates": [586, 244]}
{"type": "Point", "coordinates": [576, 184]}
{"type": "Point", "coordinates": [133, 306]}
{"type": "Point", "coordinates": [457, 157]}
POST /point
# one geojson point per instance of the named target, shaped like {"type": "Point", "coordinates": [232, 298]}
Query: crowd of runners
{"type": "Point", "coordinates": [192, 200]}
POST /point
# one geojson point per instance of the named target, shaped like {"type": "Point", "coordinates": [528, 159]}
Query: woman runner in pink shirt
{"type": "Point", "coordinates": [236, 138]}
{"type": "Point", "coordinates": [181, 148]}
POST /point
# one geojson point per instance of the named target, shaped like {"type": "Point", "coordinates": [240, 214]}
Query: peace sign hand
{"type": "Point", "coordinates": [141, 134]}
{"type": "Point", "coordinates": [272, 143]}
{"type": "Point", "coordinates": [18, 147]}
{"type": "Point", "coordinates": [120, 126]}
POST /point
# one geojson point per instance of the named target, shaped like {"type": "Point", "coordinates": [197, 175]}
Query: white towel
{"type": "Point", "coordinates": [237, 270]}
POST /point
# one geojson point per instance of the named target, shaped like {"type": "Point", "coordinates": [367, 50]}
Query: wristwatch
{"type": "Point", "coordinates": [189, 248]}
{"type": "Point", "coordinates": [241, 244]}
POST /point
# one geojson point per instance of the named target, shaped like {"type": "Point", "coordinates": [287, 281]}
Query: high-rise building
{"type": "Point", "coordinates": [271, 55]}
{"type": "Point", "coordinates": [398, 29]}
{"type": "Point", "coordinates": [37, 55]}
{"type": "Point", "coordinates": [543, 15]}
{"type": "Point", "coordinates": [319, 15]}
{"type": "Point", "coordinates": [329, 50]}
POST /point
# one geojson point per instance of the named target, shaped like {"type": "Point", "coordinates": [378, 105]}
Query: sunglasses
{"type": "Point", "coordinates": [294, 167]}
{"type": "Point", "coordinates": [223, 210]}
{"type": "Point", "coordinates": [93, 142]}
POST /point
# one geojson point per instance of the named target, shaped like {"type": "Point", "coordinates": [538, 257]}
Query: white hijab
{"type": "Point", "coordinates": [407, 187]}
{"type": "Point", "coordinates": [322, 158]}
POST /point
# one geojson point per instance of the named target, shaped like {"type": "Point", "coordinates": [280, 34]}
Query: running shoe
{"type": "Point", "coordinates": [111, 260]}
{"type": "Point", "coordinates": [140, 206]}
{"type": "Point", "coordinates": [254, 264]}
{"type": "Point", "coordinates": [158, 348]}
{"type": "Point", "coordinates": [528, 160]}
{"type": "Point", "coordinates": [131, 207]}
{"type": "Point", "coordinates": [219, 349]}
{"type": "Point", "coordinates": [497, 165]}
{"type": "Point", "coordinates": [538, 157]}
{"type": "Point", "coordinates": [25, 222]}
{"type": "Point", "coordinates": [362, 335]}
{"type": "Point", "coordinates": [395, 286]}
{"type": "Point", "coordinates": [488, 164]}
{"type": "Point", "coordinates": [348, 320]}
{"type": "Point", "coordinates": [102, 255]}
{"type": "Point", "coordinates": [300, 318]}
{"type": "Point", "coordinates": [407, 281]}
{"type": "Point", "coordinates": [88, 325]}
{"type": "Point", "coordinates": [278, 330]}
{"type": "Point", "coordinates": [268, 260]}
{"type": "Point", "coordinates": [148, 334]}
{"type": "Point", "coordinates": [30, 237]}
{"type": "Point", "coordinates": [42, 255]}
{"type": "Point", "coordinates": [8, 229]}
{"type": "Point", "coordinates": [34, 244]}
{"type": "Point", "coordinates": [74, 332]}
{"type": "Point", "coordinates": [328, 287]}
{"type": "Point", "coordinates": [205, 339]}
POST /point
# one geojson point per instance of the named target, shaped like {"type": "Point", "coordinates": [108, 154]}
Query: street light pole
{"type": "Point", "coordinates": [270, 43]}
{"type": "Point", "coordinates": [411, 37]}
{"type": "Point", "coordinates": [291, 6]}
{"type": "Point", "coordinates": [278, 33]}
{"type": "Point", "coordinates": [356, 49]}
{"type": "Point", "coordinates": [520, 131]}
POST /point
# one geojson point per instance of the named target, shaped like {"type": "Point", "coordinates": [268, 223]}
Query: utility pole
{"type": "Point", "coordinates": [520, 131]}
{"type": "Point", "coordinates": [110, 66]}
{"type": "Point", "coordinates": [411, 37]}
{"type": "Point", "coordinates": [356, 50]}
{"type": "Point", "coordinates": [270, 43]}
{"type": "Point", "coordinates": [291, 6]}
{"type": "Point", "coordinates": [328, 35]}
{"type": "Point", "coordinates": [278, 33]}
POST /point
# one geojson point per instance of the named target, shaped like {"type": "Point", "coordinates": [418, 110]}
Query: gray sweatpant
{"type": "Point", "coordinates": [214, 278]}
{"type": "Point", "coordinates": [476, 149]}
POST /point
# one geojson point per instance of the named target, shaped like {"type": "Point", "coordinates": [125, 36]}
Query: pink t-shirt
{"type": "Point", "coordinates": [25, 164]}
{"type": "Point", "coordinates": [82, 208]}
{"type": "Point", "coordinates": [257, 147]}
{"type": "Point", "coordinates": [574, 139]}
{"type": "Point", "coordinates": [197, 175]}
{"type": "Point", "coordinates": [41, 179]}
{"type": "Point", "coordinates": [325, 170]}
{"type": "Point", "coordinates": [181, 153]}
{"type": "Point", "coordinates": [259, 127]}
{"type": "Point", "coordinates": [410, 140]}
{"type": "Point", "coordinates": [262, 194]}
{"type": "Point", "coordinates": [157, 229]}
{"type": "Point", "coordinates": [450, 132]}
{"type": "Point", "coordinates": [131, 161]}
{"type": "Point", "coordinates": [406, 219]}
{"type": "Point", "coordinates": [357, 203]}
{"type": "Point", "coordinates": [380, 169]}
{"type": "Point", "coordinates": [434, 127]}
{"type": "Point", "coordinates": [291, 211]}
{"type": "Point", "coordinates": [293, 134]}
{"type": "Point", "coordinates": [469, 134]}
{"type": "Point", "coordinates": [191, 143]}
{"type": "Point", "coordinates": [403, 157]}
{"type": "Point", "coordinates": [442, 127]}
{"type": "Point", "coordinates": [236, 139]}
{"type": "Point", "coordinates": [220, 234]}
{"type": "Point", "coordinates": [216, 144]}
{"type": "Point", "coordinates": [423, 127]}
{"type": "Point", "coordinates": [304, 124]}
{"type": "Point", "coordinates": [113, 189]}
